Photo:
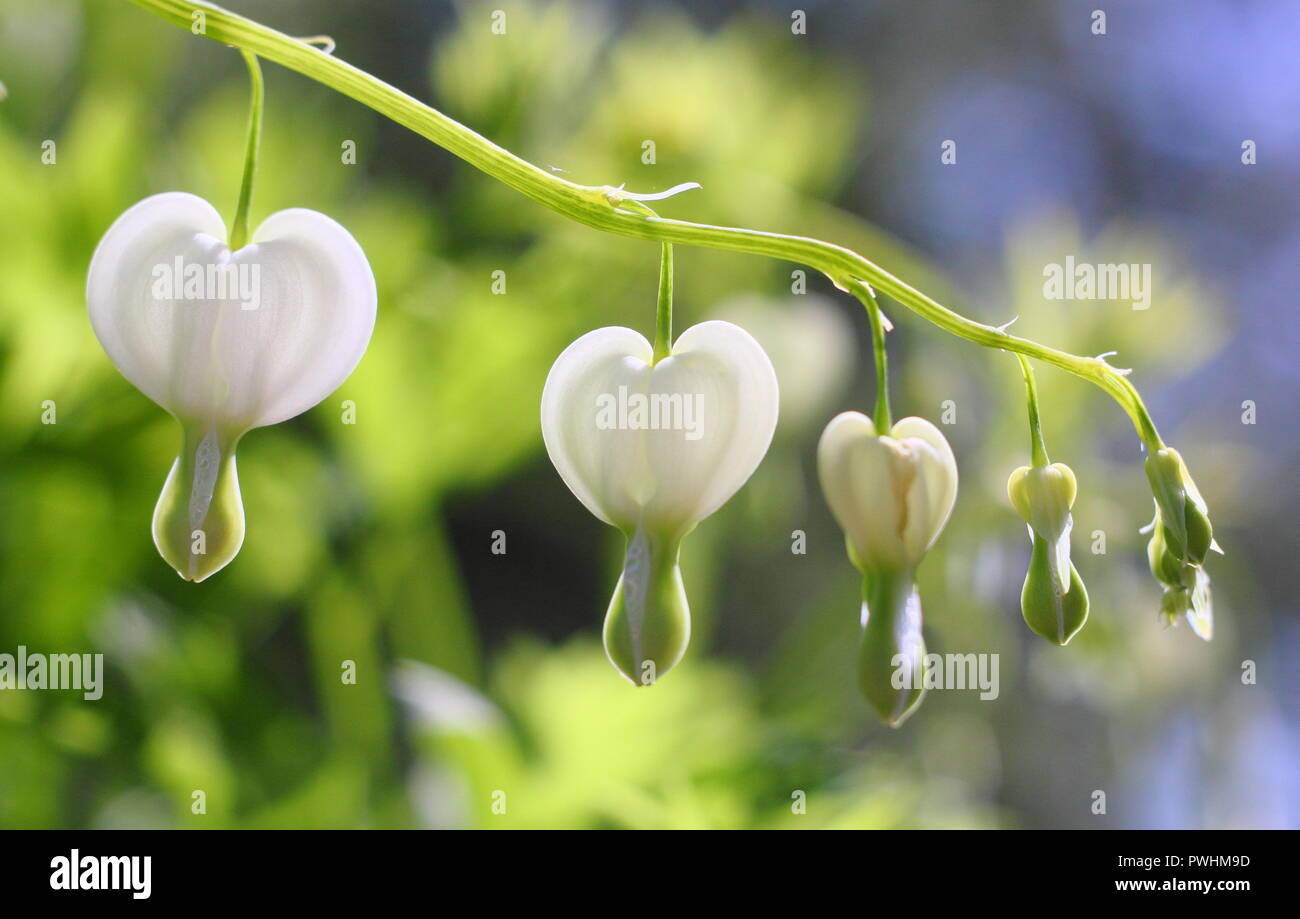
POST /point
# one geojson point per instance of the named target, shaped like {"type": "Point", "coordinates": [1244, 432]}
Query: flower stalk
{"type": "Point", "coordinates": [257, 98]}
{"type": "Point", "coordinates": [1037, 446]}
{"type": "Point", "coordinates": [664, 311]}
{"type": "Point", "coordinates": [884, 420]}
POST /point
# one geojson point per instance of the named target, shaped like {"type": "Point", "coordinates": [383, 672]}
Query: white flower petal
{"type": "Point", "coordinates": [724, 372]}
{"type": "Point", "coordinates": [210, 358]}
{"type": "Point", "coordinates": [926, 478]}
{"type": "Point", "coordinates": [137, 331]}
{"type": "Point", "coordinates": [940, 471]}
{"type": "Point", "coordinates": [318, 308]}
{"type": "Point", "coordinates": [856, 472]}
{"type": "Point", "coordinates": [605, 469]}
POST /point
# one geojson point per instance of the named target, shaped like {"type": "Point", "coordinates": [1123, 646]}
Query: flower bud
{"type": "Point", "coordinates": [1054, 607]}
{"type": "Point", "coordinates": [1183, 513]}
{"type": "Point", "coordinates": [1194, 602]}
{"type": "Point", "coordinates": [226, 342]}
{"type": "Point", "coordinates": [890, 494]}
{"type": "Point", "coordinates": [1053, 600]}
{"type": "Point", "coordinates": [1166, 567]}
{"type": "Point", "coordinates": [1186, 586]}
{"type": "Point", "coordinates": [652, 449]}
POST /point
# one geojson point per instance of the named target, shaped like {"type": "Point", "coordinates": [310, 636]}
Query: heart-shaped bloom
{"type": "Point", "coordinates": [653, 449]}
{"type": "Point", "coordinates": [1054, 601]}
{"type": "Point", "coordinates": [892, 495]}
{"type": "Point", "coordinates": [226, 342]}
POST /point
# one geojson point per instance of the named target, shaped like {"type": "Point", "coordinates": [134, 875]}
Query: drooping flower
{"type": "Point", "coordinates": [1054, 600]}
{"type": "Point", "coordinates": [1181, 538]}
{"type": "Point", "coordinates": [226, 342]}
{"type": "Point", "coordinates": [1186, 585]}
{"type": "Point", "coordinates": [1184, 516]}
{"type": "Point", "coordinates": [653, 448]}
{"type": "Point", "coordinates": [892, 495]}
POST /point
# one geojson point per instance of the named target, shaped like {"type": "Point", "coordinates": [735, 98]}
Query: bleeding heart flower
{"type": "Point", "coordinates": [892, 495]}
{"type": "Point", "coordinates": [653, 449]}
{"type": "Point", "coordinates": [1181, 538]}
{"type": "Point", "coordinates": [226, 342]}
{"type": "Point", "coordinates": [1053, 601]}
{"type": "Point", "coordinates": [1186, 585]}
{"type": "Point", "coordinates": [1183, 514]}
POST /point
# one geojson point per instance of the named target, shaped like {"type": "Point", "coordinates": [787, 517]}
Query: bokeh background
{"type": "Point", "coordinates": [482, 673]}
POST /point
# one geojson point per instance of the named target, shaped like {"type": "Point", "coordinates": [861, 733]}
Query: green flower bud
{"type": "Point", "coordinates": [891, 660]}
{"type": "Point", "coordinates": [1053, 601]}
{"type": "Point", "coordinates": [1054, 607]}
{"type": "Point", "coordinates": [1187, 586]}
{"type": "Point", "coordinates": [1174, 603]}
{"type": "Point", "coordinates": [198, 523]}
{"type": "Point", "coordinates": [1193, 601]}
{"type": "Point", "coordinates": [1183, 513]}
{"type": "Point", "coordinates": [1166, 567]}
{"type": "Point", "coordinates": [1043, 496]}
{"type": "Point", "coordinates": [648, 624]}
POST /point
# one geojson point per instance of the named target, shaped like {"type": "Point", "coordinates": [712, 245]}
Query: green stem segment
{"type": "Point", "coordinates": [1037, 446]}
{"type": "Point", "coordinates": [664, 313]}
{"type": "Point", "coordinates": [884, 420]}
{"type": "Point", "coordinates": [601, 207]}
{"type": "Point", "coordinates": [239, 226]}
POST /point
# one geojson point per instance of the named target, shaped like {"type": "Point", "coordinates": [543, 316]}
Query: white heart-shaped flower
{"type": "Point", "coordinates": [660, 446]}
{"type": "Point", "coordinates": [297, 317]}
{"type": "Point", "coordinates": [654, 448]}
{"type": "Point", "coordinates": [225, 341]}
{"type": "Point", "coordinates": [890, 494]}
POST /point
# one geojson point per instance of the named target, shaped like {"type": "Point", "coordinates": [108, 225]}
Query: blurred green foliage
{"type": "Point", "coordinates": [234, 687]}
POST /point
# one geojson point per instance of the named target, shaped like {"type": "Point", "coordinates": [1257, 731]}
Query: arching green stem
{"type": "Point", "coordinates": [602, 206]}
{"type": "Point", "coordinates": [1037, 446]}
{"type": "Point", "coordinates": [257, 95]}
